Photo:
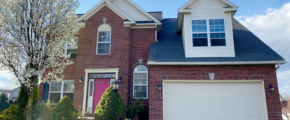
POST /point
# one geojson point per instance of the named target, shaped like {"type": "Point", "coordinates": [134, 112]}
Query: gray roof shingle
{"type": "Point", "coordinates": [248, 47]}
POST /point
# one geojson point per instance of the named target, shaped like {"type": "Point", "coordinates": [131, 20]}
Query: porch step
{"type": "Point", "coordinates": [86, 118]}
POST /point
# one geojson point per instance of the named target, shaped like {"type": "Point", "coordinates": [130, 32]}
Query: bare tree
{"type": "Point", "coordinates": [30, 32]}
{"type": "Point", "coordinates": [285, 106]}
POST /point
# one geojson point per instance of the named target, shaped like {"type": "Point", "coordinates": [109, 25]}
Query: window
{"type": "Point", "coordinates": [217, 32]}
{"type": "Point", "coordinates": [104, 39]}
{"type": "Point", "coordinates": [91, 88]}
{"type": "Point", "coordinates": [208, 33]}
{"type": "Point", "coordinates": [199, 33]}
{"type": "Point", "coordinates": [58, 89]}
{"type": "Point", "coordinates": [71, 48]}
{"type": "Point", "coordinates": [15, 94]}
{"type": "Point", "coordinates": [140, 82]}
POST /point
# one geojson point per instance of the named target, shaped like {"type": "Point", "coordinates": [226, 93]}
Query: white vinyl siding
{"type": "Point", "coordinates": [130, 10]}
{"type": "Point", "coordinates": [208, 9]}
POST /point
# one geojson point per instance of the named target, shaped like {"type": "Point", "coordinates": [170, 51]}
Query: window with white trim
{"type": "Point", "coordinates": [58, 89]}
{"type": "Point", "coordinates": [140, 82]}
{"type": "Point", "coordinates": [208, 33]}
{"type": "Point", "coordinates": [104, 39]}
{"type": "Point", "coordinates": [70, 48]}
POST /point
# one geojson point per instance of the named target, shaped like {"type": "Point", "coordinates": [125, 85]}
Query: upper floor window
{"type": "Point", "coordinates": [140, 82]}
{"type": "Point", "coordinates": [15, 94]}
{"type": "Point", "coordinates": [208, 33]}
{"type": "Point", "coordinates": [71, 48]}
{"type": "Point", "coordinates": [104, 39]}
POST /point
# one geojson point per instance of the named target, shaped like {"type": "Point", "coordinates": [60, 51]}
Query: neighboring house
{"type": "Point", "coordinates": [14, 94]}
{"type": "Point", "coordinates": [209, 66]}
{"type": "Point", "coordinates": [6, 92]}
{"type": "Point", "coordinates": [287, 110]}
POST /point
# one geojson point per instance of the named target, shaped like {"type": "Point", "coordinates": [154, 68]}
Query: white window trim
{"type": "Point", "coordinates": [140, 84]}
{"type": "Point", "coordinates": [208, 33]}
{"type": "Point", "coordinates": [65, 49]}
{"type": "Point", "coordinates": [104, 42]}
{"type": "Point", "coordinates": [61, 92]}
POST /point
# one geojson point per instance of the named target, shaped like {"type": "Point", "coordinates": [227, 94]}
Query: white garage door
{"type": "Point", "coordinates": [216, 100]}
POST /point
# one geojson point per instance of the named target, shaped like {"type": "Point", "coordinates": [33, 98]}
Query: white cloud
{"type": "Point", "coordinates": [8, 86]}
{"type": "Point", "coordinates": [274, 29]}
{"type": "Point", "coordinates": [284, 82]}
{"type": "Point", "coordinates": [6, 74]}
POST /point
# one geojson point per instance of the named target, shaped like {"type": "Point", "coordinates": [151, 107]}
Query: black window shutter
{"type": "Point", "coordinates": [45, 92]}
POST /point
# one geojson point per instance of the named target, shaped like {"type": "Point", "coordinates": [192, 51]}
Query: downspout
{"type": "Point", "coordinates": [156, 35]}
{"type": "Point", "coordinates": [278, 66]}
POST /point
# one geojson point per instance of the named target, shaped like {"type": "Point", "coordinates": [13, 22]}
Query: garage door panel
{"type": "Point", "coordinates": [213, 101]}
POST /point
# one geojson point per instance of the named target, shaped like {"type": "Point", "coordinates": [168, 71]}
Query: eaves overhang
{"type": "Point", "coordinates": [219, 63]}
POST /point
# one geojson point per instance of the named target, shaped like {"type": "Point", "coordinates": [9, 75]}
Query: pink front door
{"type": "Point", "coordinates": [100, 87]}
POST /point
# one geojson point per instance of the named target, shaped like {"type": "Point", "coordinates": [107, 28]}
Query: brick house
{"type": "Point", "coordinates": [208, 65]}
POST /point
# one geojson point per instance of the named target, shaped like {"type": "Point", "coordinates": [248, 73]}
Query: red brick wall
{"type": "Point", "coordinates": [141, 40]}
{"type": "Point", "coordinates": [127, 46]}
{"type": "Point", "coordinates": [118, 57]}
{"type": "Point", "coordinates": [241, 72]}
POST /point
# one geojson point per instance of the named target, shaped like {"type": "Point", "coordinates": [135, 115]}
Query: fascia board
{"type": "Point", "coordinates": [217, 63]}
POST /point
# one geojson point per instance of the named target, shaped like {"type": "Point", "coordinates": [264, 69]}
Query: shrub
{"type": "Point", "coordinates": [3, 102]}
{"type": "Point", "coordinates": [105, 108]}
{"type": "Point", "coordinates": [137, 110]}
{"type": "Point", "coordinates": [41, 111]}
{"type": "Point", "coordinates": [11, 113]}
{"type": "Point", "coordinates": [64, 110]}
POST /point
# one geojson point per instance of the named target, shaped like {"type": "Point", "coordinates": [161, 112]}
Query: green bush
{"type": "Point", "coordinates": [22, 103]}
{"type": "Point", "coordinates": [64, 110]}
{"type": "Point", "coordinates": [3, 102]}
{"type": "Point", "coordinates": [41, 111]}
{"type": "Point", "coordinates": [105, 108]}
{"type": "Point", "coordinates": [135, 108]}
{"type": "Point", "coordinates": [11, 113]}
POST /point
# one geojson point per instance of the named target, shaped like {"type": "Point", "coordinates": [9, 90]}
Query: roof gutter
{"type": "Point", "coordinates": [219, 63]}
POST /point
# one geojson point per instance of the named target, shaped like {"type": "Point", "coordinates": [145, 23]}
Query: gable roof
{"type": "Point", "coordinates": [143, 11]}
{"type": "Point", "coordinates": [249, 49]}
{"type": "Point", "coordinates": [157, 15]}
{"type": "Point", "coordinates": [103, 3]}
{"type": "Point", "coordinates": [226, 2]}
{"type": "Point", "coordinates": [228, 7]}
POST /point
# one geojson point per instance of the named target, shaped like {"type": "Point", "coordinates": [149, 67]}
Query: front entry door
{"type": "Point", "coordinates": [100, 87]}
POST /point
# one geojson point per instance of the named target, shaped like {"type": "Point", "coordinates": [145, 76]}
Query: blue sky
{"type": "Point", "coordinates": [268, 19]}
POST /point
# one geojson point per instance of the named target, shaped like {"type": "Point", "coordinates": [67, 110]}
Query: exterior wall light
{"type": "Point", "coordinates": [120, 79]}
{"type": "Point", "coordinates": [271, 87]}
{"type": "Point", "coordinates": [211, 76]}
{"type": "Point", "coordinates": [81, 79]}
{"type": "Point", "coordinates": [159, 87]}
{"type": "Point", "coordinates": [104, 20]}
{"type": "Point", "coordinates": [140, 61]}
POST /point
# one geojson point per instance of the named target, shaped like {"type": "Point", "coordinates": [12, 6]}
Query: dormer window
{"type": "Point", "coordinates": [210, 32]}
